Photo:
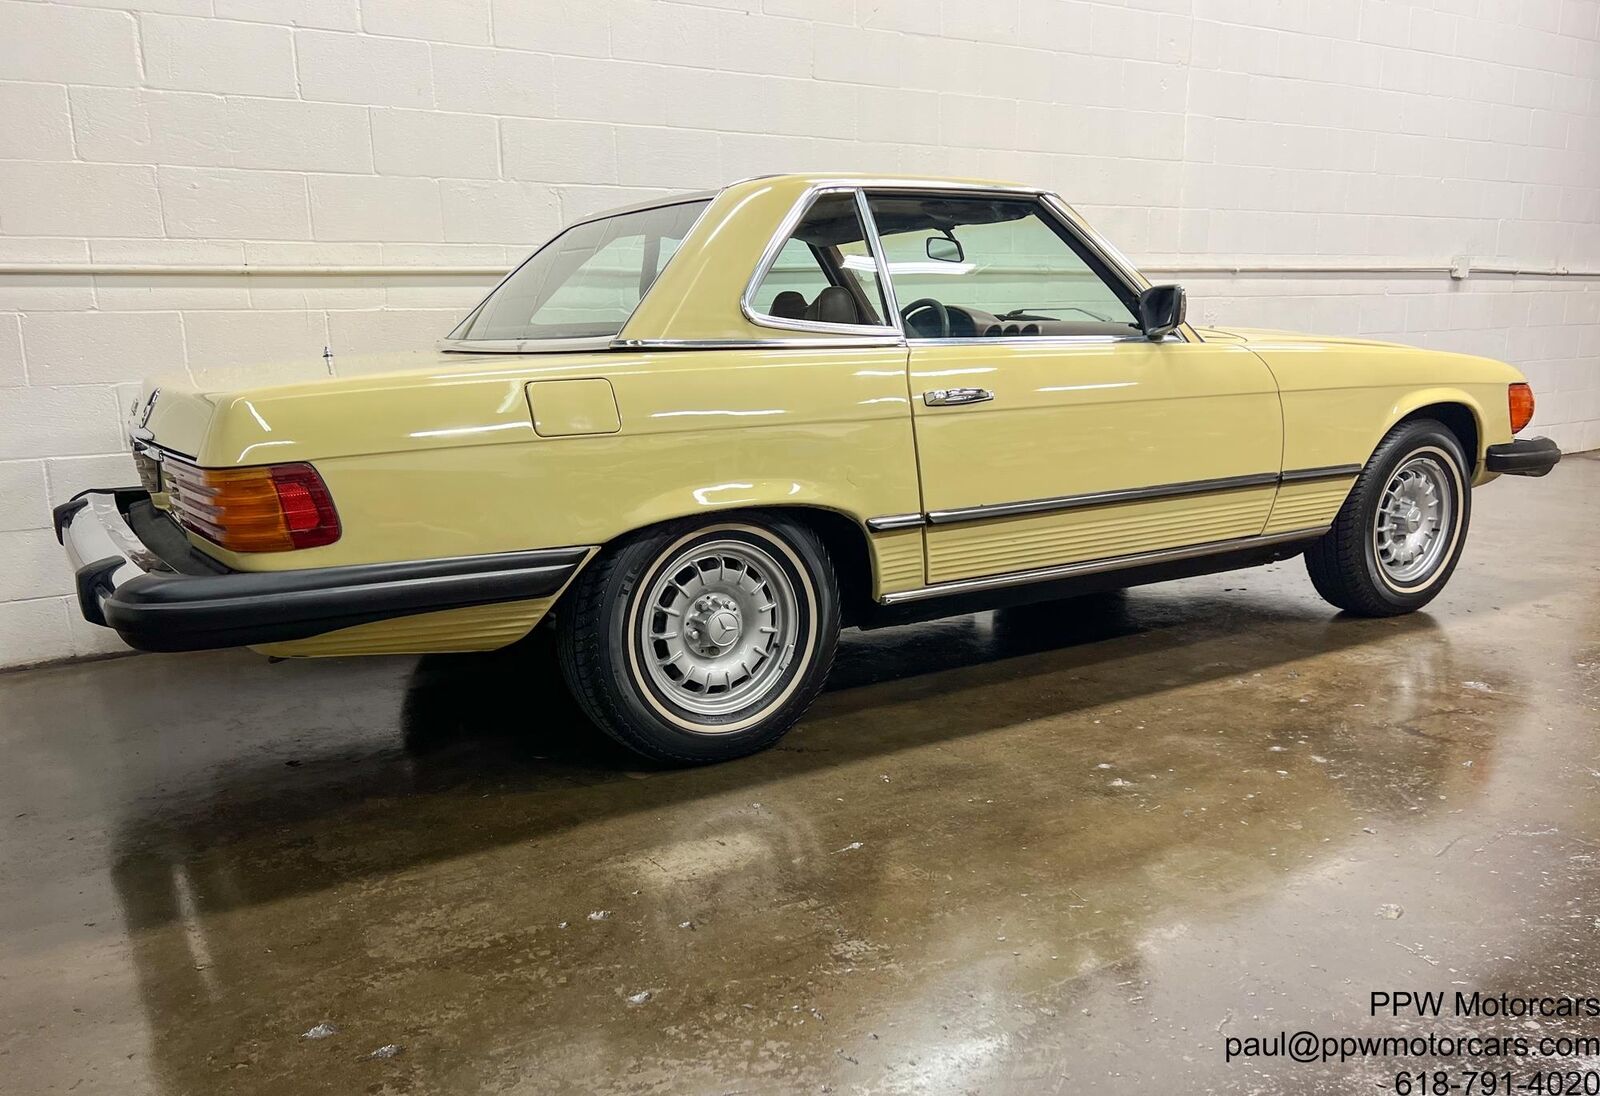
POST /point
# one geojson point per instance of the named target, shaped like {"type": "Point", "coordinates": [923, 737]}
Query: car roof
{"type": "Point", "coordinates": [699, 296]}
{"type": "Point", "coordinates": [807, 180]}
{"type": "Point", "coordinates": [881, 179]}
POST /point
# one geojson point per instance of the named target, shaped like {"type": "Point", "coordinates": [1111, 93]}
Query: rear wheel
{"type": "Point", "coordinates": [699, 642]}
{"type": "Point", "coordinates": [1400, 532]}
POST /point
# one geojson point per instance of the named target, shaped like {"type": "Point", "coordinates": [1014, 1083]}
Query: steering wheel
{"type": "Point", "coordinates": [929, 303]}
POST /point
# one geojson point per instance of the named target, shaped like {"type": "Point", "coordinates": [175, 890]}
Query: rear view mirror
{"type": "Point", "coordinates": [944, 249]}
{"type": "Point", "coordinates": [1161, 310]}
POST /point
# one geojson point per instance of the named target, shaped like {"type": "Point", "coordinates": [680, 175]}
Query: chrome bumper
{"type": "Point", "coordinates": [103, 550]}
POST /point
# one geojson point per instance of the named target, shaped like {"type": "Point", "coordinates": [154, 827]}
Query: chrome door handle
{"type": "Point", "coordinates": [950, 397]}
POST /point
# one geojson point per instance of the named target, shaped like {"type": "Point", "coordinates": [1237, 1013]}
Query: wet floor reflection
{"type": "Point", "coordinates": [1150, 764]}
{"type": "Point", "coordinates": [1006, 852]}
{"type": "Point", "coordinates": [502, 728]}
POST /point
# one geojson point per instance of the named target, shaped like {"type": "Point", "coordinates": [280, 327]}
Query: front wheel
{"type": "Point", "coordinates": [702, 641]}
{"type": "Point", "coordinates": [1396, 540]}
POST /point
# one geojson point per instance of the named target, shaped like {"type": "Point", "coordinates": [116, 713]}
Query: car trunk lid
{"type": "Point", "coordinates": [171, 413]}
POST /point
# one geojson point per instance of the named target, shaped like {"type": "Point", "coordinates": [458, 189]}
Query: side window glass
{"type": "Point", "coordinates": [795, 270]}
{"type": "Point", "coordinates": [824, 273]}
{"type": "Point", "coordinates": [966, 267]}
{"type": "Point", "coordinates": [587, 281]}
{"type": "Point", "coordinates": [605, 289]}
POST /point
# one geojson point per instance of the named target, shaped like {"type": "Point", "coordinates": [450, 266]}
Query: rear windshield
{"type": "Point", "coordinates": [587, 281]}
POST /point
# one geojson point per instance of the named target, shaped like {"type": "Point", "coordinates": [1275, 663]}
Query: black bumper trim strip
{"type": "Point", "coordinates": [178, 612]}
{"type": "Point", "coordinates": [61, 515]}
{"type": "Point", "coordinates": [1523, 457]}
{"type": "Point", "coordinates": [92, 581]}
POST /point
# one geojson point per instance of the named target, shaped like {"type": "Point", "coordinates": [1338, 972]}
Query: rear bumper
{"type": "Point", "coordinates": [1523, 457]}
{"type": "Point", "coordinates": [158, 598]}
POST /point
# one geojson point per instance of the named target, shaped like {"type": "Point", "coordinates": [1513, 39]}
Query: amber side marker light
{"type": "Point", "coordinates": [1521, 398]}
{"type": "Point", "coordinates": [270, 509]}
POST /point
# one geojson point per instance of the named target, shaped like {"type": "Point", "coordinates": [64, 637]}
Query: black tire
{"type": "Point", "coordinates": [610, 653]}
{"type": "Point", "coordinates": [1345, 564]}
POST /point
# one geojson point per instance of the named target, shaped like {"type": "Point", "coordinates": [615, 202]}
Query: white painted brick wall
{"type": "Point", "coordinates": [404, 133]}
{"type": "Point", "coordinates": [217, 55]}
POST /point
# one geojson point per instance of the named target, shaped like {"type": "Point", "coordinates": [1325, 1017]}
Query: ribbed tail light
{"type": "Point", "coordinates": [269, 509]}
{"type": "Point", "coordinates": [1521, 399]}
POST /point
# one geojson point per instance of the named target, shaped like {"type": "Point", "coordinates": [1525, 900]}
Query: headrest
{"type": "Point", "coordinates": [789, 305]}
{"type": "Point", "coordinates": [834, 305]}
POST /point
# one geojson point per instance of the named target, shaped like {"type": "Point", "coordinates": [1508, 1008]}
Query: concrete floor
{"type": "Point", "coordinates": [1015, 852]}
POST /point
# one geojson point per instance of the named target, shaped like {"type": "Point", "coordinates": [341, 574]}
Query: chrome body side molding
{"type": "Point", "coordinates": [1099, 498]}
{"type": "Point", "coordinates": [1332, 471]}
{"type": "Point", "coordinates": [896, 521]}
{"type": "Point", "coordinates": [991, 511]}
{"type": "Point", "coordinates": [1098, 566]}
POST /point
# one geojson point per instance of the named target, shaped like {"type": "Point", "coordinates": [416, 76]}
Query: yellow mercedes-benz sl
{"type": "Point", "coordinates": [701, 434]}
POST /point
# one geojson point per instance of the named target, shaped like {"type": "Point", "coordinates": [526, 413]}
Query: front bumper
{"type": "Point", "coordinates": [1523, 457]}
{"type": "Point", "coordinates": [137, 573]}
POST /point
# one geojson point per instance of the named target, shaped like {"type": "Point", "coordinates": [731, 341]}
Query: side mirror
{"type": "Point", "coordinates": [944, 249]}
{"type": "Point", "coordinates": [1161, 309]}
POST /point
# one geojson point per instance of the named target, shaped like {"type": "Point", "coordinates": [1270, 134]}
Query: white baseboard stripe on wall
{"type": "Point", "coordinates": [158, 270]}
{"type": "Point", "coordinates": [1242, 269]}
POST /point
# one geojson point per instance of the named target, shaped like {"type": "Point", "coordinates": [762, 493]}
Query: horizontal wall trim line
{"type": "Point", "coordinates": [1446, 270]}
{"type": "Point", "coordinates": [175, 270]}
{"type": "Point", "coordinates": [1241, 269]}
{"type": "Point", "coordinates": [1097, 566]}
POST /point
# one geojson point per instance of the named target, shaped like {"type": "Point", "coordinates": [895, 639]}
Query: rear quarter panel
{"type": "Point", "coordinates": [449, 464]}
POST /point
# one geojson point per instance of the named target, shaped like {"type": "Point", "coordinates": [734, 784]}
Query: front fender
{"type": "Point", "coordinates": [1340, 398]}
{"type": "Point", "coordinates": [1411, 402]}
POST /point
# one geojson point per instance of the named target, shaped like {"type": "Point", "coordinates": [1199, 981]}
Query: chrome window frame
{"type": "Point", "coordinates": [786, 228]}
{"type": "Point", "coordinates": [791, 343]}
{"type": "Point", "coordinates": [573, 343]}
{"type": "Point", "coordinates": [1053, 211]}
{"type": "Point", "coordinates": [853, 335]}
{"type": "Point", "coordinates": [869, 225]}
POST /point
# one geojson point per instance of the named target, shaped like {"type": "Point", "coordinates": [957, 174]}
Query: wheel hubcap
{"type": "Point", "coordinates": [718, 627]}
{"type": "Point", "coordinates": [1411, 529]}
{"type": "Point", "coordinates": [713, 625]}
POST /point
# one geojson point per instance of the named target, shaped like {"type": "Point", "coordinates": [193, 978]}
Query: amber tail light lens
{"type": "Point", "coordinates": [1521, 397]}
{"type": "Point", "coordinates": [270, 509]}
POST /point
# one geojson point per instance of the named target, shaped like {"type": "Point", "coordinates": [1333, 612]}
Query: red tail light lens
{"type": "Point", "coordinates": [307, 509]}
{"type": "Point", "coordinates": [270, 509]}
{"type": "Point", "coordinates": [1521, 399]}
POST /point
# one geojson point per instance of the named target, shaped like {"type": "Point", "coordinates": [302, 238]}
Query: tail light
{"type": "Point", "coordinates": [1521, 400]}
{"type": "Point", "coordinates": [269, 509]}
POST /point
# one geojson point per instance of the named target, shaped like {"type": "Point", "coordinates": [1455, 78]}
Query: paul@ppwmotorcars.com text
{"type": "Point", "coordinates": [1517, 1058]}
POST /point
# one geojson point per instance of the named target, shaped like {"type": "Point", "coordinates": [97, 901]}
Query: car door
{"type": "Point", "coordinates": [1049, 430]}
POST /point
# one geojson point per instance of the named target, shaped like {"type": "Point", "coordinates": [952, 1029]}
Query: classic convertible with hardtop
{"type": "Point", "coordinates": [701, 434]}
